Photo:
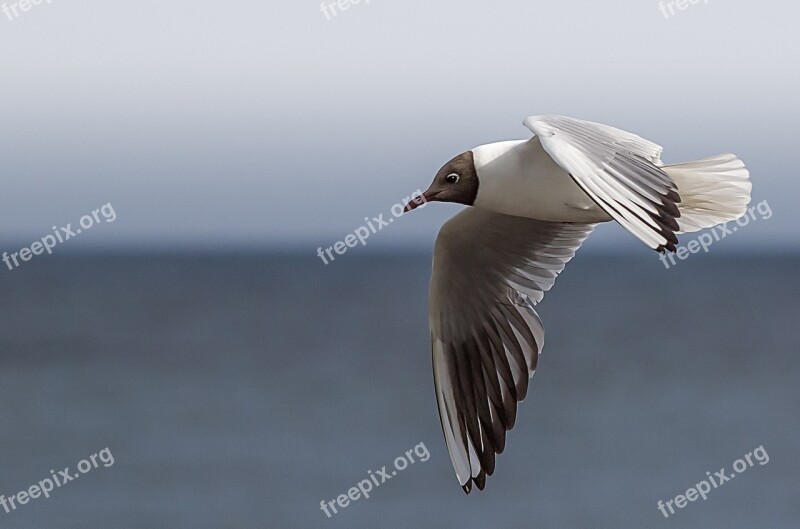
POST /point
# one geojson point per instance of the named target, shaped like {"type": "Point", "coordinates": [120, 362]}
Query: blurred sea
{"type": "Point", "coordinates": [239, 391]}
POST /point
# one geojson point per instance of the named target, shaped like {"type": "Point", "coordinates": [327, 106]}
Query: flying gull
{"type": "Point", "coordinates": [533, 203]}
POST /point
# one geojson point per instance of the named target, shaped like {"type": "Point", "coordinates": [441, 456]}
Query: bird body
{"type": "Point", "coordinates": [533, 203]}
{"type": "Point", "coordinates": [519, 178]}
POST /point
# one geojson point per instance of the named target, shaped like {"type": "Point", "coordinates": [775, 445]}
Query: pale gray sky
{"type": "Point", "coordinates": [265, 123]}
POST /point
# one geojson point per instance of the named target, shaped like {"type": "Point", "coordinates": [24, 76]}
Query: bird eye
{"type": "Point", "coordinates": [452, 178]}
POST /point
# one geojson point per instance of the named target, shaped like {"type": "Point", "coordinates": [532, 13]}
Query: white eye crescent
{"type": "Point", "coordinates": [452, 178]}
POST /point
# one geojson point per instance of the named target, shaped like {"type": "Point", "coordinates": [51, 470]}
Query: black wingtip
{"type": "Point", "coordinates": [669, 247]}
{"type": "Point", "coordinates": [480, 481]}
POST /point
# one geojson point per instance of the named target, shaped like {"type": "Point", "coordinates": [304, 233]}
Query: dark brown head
{"type": "Point", "coordinates": [457, 182]}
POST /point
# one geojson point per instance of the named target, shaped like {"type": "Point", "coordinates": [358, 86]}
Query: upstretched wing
{"type": "Point", "coordinates": [488, 272]}
{"type": "Point", "coordinates": [620, 171]}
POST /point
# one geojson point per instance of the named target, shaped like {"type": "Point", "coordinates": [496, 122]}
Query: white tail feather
{"type": "Point", "coordinates": [713, 191]}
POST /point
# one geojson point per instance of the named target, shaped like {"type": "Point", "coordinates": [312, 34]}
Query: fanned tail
{"type": "Point", "coordinates": [713, 191]}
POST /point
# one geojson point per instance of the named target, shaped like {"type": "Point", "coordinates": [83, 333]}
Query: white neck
{"type": "Point", "coordinates": [498, 166]}
{"type": "Point", "coordinates": [491, 151]}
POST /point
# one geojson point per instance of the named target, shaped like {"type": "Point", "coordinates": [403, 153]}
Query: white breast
{"type": "Point", "coordinates": [519, 178]}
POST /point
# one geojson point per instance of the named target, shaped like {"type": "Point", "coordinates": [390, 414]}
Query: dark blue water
{"type": "Point", "coordinates": [240, 391]}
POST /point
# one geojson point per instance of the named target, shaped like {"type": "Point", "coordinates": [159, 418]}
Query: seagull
{"type": "Point", "coordinates": [533, 202]}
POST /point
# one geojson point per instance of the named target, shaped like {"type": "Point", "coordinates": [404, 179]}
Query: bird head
{"type": "Point", "coordinates": [456, 182]}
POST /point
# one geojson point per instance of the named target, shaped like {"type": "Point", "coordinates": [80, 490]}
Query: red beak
{"type": "Point", "coordinates": [418, 201]}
